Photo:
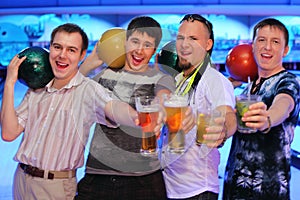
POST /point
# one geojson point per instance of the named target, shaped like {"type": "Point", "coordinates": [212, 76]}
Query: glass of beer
{"type": "Point", "coordinates": [205, 118]}
{"type": "Point", "coordinates": [175, 107]}
{"type": "Point", "coordinates": [242, 105]}
{"type": "Point", "coordinates": [148, 109]}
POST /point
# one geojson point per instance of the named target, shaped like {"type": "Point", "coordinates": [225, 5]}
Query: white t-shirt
{"type": "Point", "coordinates": [196, 171]}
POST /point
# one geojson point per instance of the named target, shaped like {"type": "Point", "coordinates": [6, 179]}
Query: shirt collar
{"type": "Point", "coordinates": [75, 81]}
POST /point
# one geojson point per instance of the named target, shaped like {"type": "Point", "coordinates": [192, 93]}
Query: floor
{"type": "Point", "coordinates": [8, 165]}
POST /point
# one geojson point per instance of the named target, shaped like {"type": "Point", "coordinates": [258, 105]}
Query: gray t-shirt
{"type": "Point", "coordinates": [116, 151]}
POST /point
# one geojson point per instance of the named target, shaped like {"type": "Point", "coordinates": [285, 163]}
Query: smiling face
{"type": "Point", "coordinates": [65, 54]}
{"type": "Point", "coordinates": [269, 49]}
{"type": "Point", "coordinates": [140, 47]}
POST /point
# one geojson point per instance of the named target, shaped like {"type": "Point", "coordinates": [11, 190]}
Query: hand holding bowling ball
{"type": "Point", "coordinates": [35, 71]}
{"type": "Point", "coordinates": [235, 83]}
{"type": "Point", "coordinates": [240, 63]}
{"type": "Point", "coordinates": [111, 47]}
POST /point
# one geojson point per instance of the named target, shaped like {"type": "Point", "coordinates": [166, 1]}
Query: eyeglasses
{"type": "Point", "coordinates": [193, 17]}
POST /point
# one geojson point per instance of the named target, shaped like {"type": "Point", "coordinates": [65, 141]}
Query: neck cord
{"type": "Point", "coordinates": [194, 77]}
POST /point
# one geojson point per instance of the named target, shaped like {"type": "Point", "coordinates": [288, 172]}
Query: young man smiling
{"type": "Point", "coordinates": [258, 166]}
{"type": "Point", "coordinates": [115, 168]}
{"type": "Point", "coordinates": [56, 119]}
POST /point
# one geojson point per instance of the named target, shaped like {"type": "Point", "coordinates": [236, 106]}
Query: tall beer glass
{"type": "Point", "coordinates": [148, 108]}
{"type": "Point", "coordinates": [176, 107]}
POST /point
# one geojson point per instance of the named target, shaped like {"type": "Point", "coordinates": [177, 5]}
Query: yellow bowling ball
{"type": "Point", "coordinates": [111, 47]}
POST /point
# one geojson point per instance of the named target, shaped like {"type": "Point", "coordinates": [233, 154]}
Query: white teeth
{"type": "Point", "coordinates": [137, 58]}
{"type": "Point", "coordinates": [184, 53]}
{"type": "Point", "coordinates": [266, 55]}
{"type": "Point", "coordinates": [61, 64]}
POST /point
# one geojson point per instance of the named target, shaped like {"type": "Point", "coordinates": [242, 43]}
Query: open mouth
{"type": "Point", "coordinates": [266, 56]}
{"type": "Point", "coordinates": [61, 65]}
{"type": "Point", "coordinates": [136, 60]}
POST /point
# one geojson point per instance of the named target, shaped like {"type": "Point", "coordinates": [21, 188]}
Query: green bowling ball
{"type": "Point", "coordinates": [167, 58]}
{"type": "Point", "coordinates": [35, 71]}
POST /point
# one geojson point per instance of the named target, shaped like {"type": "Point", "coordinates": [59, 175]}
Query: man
{"type": "Point", "coordinates": [56, 119]}
{"type": "Point", "coordinates": [194, 175]}
{"type": "Point", "coordinates": [115, 168]}
{"type": "Point", "coordinates": [258, 166]}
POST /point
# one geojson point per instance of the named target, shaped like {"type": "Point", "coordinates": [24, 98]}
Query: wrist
{"type": "Point", "coordinates": [265, 131]}
{"type": "Point", "coordinates": [225, 137]}
{"type": "Point", "coordinates": [10, 83]}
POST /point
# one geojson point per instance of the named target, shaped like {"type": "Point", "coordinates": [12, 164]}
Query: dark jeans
{"type": "Point", "coordinates": [203, 196]}
{"type": "Point", "coordinates": [110, 187]}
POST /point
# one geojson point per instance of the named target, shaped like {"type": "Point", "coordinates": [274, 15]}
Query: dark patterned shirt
{"type": "Point", "coordinates": [258, 166]}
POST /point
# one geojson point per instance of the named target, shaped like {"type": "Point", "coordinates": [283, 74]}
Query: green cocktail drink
{"type": "Point", "coordinates": [242, 106]}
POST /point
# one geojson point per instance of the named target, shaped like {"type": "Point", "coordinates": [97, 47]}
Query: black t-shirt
{"type": "Point", "coordinates": [259, 164]}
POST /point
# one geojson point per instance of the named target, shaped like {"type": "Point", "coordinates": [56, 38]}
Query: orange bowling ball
{"type": "Point", "coordinates": [240, 63]}
{"type": "Point", "coordinates": [111, 47]}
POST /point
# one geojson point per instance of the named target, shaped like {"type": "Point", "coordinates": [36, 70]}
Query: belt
{"type": "Point", "coordinates": [36, 172]}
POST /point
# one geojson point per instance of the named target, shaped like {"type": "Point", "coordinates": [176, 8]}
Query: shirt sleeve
{"type": "Point", "coordinates": [291, 85]}
{"type": "Point", "coordinates": [220, 89]}
{"type": "Point", "coordinates": [166, 82]}
{"type": "Point", "coordinates": [22, 109]}
{"type": "Point", "coordinates": [101, 98]}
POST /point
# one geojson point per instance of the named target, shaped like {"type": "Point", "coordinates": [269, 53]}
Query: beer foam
{"type": "Point", "coordinates": [148, 109]}
{"type": "Point", "coordinates": [176, 103]}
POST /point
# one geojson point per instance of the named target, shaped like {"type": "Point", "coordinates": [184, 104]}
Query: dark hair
{"type": "Point", "coordinates": [273, 23]}
{"type": "Point", "coordinates": [208, 25]}
{"type": "Point", "coordinates": [145, 24]}
{"type": "Point", "coordinates": [71, 28]}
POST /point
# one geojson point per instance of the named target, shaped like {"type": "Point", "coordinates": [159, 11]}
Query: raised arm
{"type": "Point", "coordinates": [11, 128]}
{"type": "Point", "coordinates": [91, 62]}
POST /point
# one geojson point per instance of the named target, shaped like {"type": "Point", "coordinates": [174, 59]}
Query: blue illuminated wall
{"type": "Point", "coordinates": [32, 3]}
{"type": "Point", "coordinates": [20, 31]}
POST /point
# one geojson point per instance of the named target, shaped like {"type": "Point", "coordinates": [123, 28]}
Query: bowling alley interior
{"type": "Point", "coordinates": [28, 23]}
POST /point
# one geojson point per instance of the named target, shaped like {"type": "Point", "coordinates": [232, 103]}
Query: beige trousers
{"type": "Point", "coordinates": [27, 187]}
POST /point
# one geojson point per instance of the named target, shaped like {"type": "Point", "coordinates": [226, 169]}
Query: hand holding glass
{"type": "Point", "coordinates": [205, 118]}
{"type": "Point", "coordinates": [242, 106]}
{"type": "Point", "coordinates": [176, 107]}
{"type": "Point", "coordinates": [148, 111]}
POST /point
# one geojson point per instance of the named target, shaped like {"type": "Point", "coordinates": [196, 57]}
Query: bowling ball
{"type": "Point", "coordinates": [111, 47]}
{"type": "Point", "coordinates": [240, 63]}
{"type": "Point", "coordinates": [167, 57]}
{"type": "Point", "coordinates": [35, 71]}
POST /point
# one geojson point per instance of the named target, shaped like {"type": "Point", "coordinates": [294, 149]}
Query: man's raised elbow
{"type": "Point", "coordinates": [7, 137]}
